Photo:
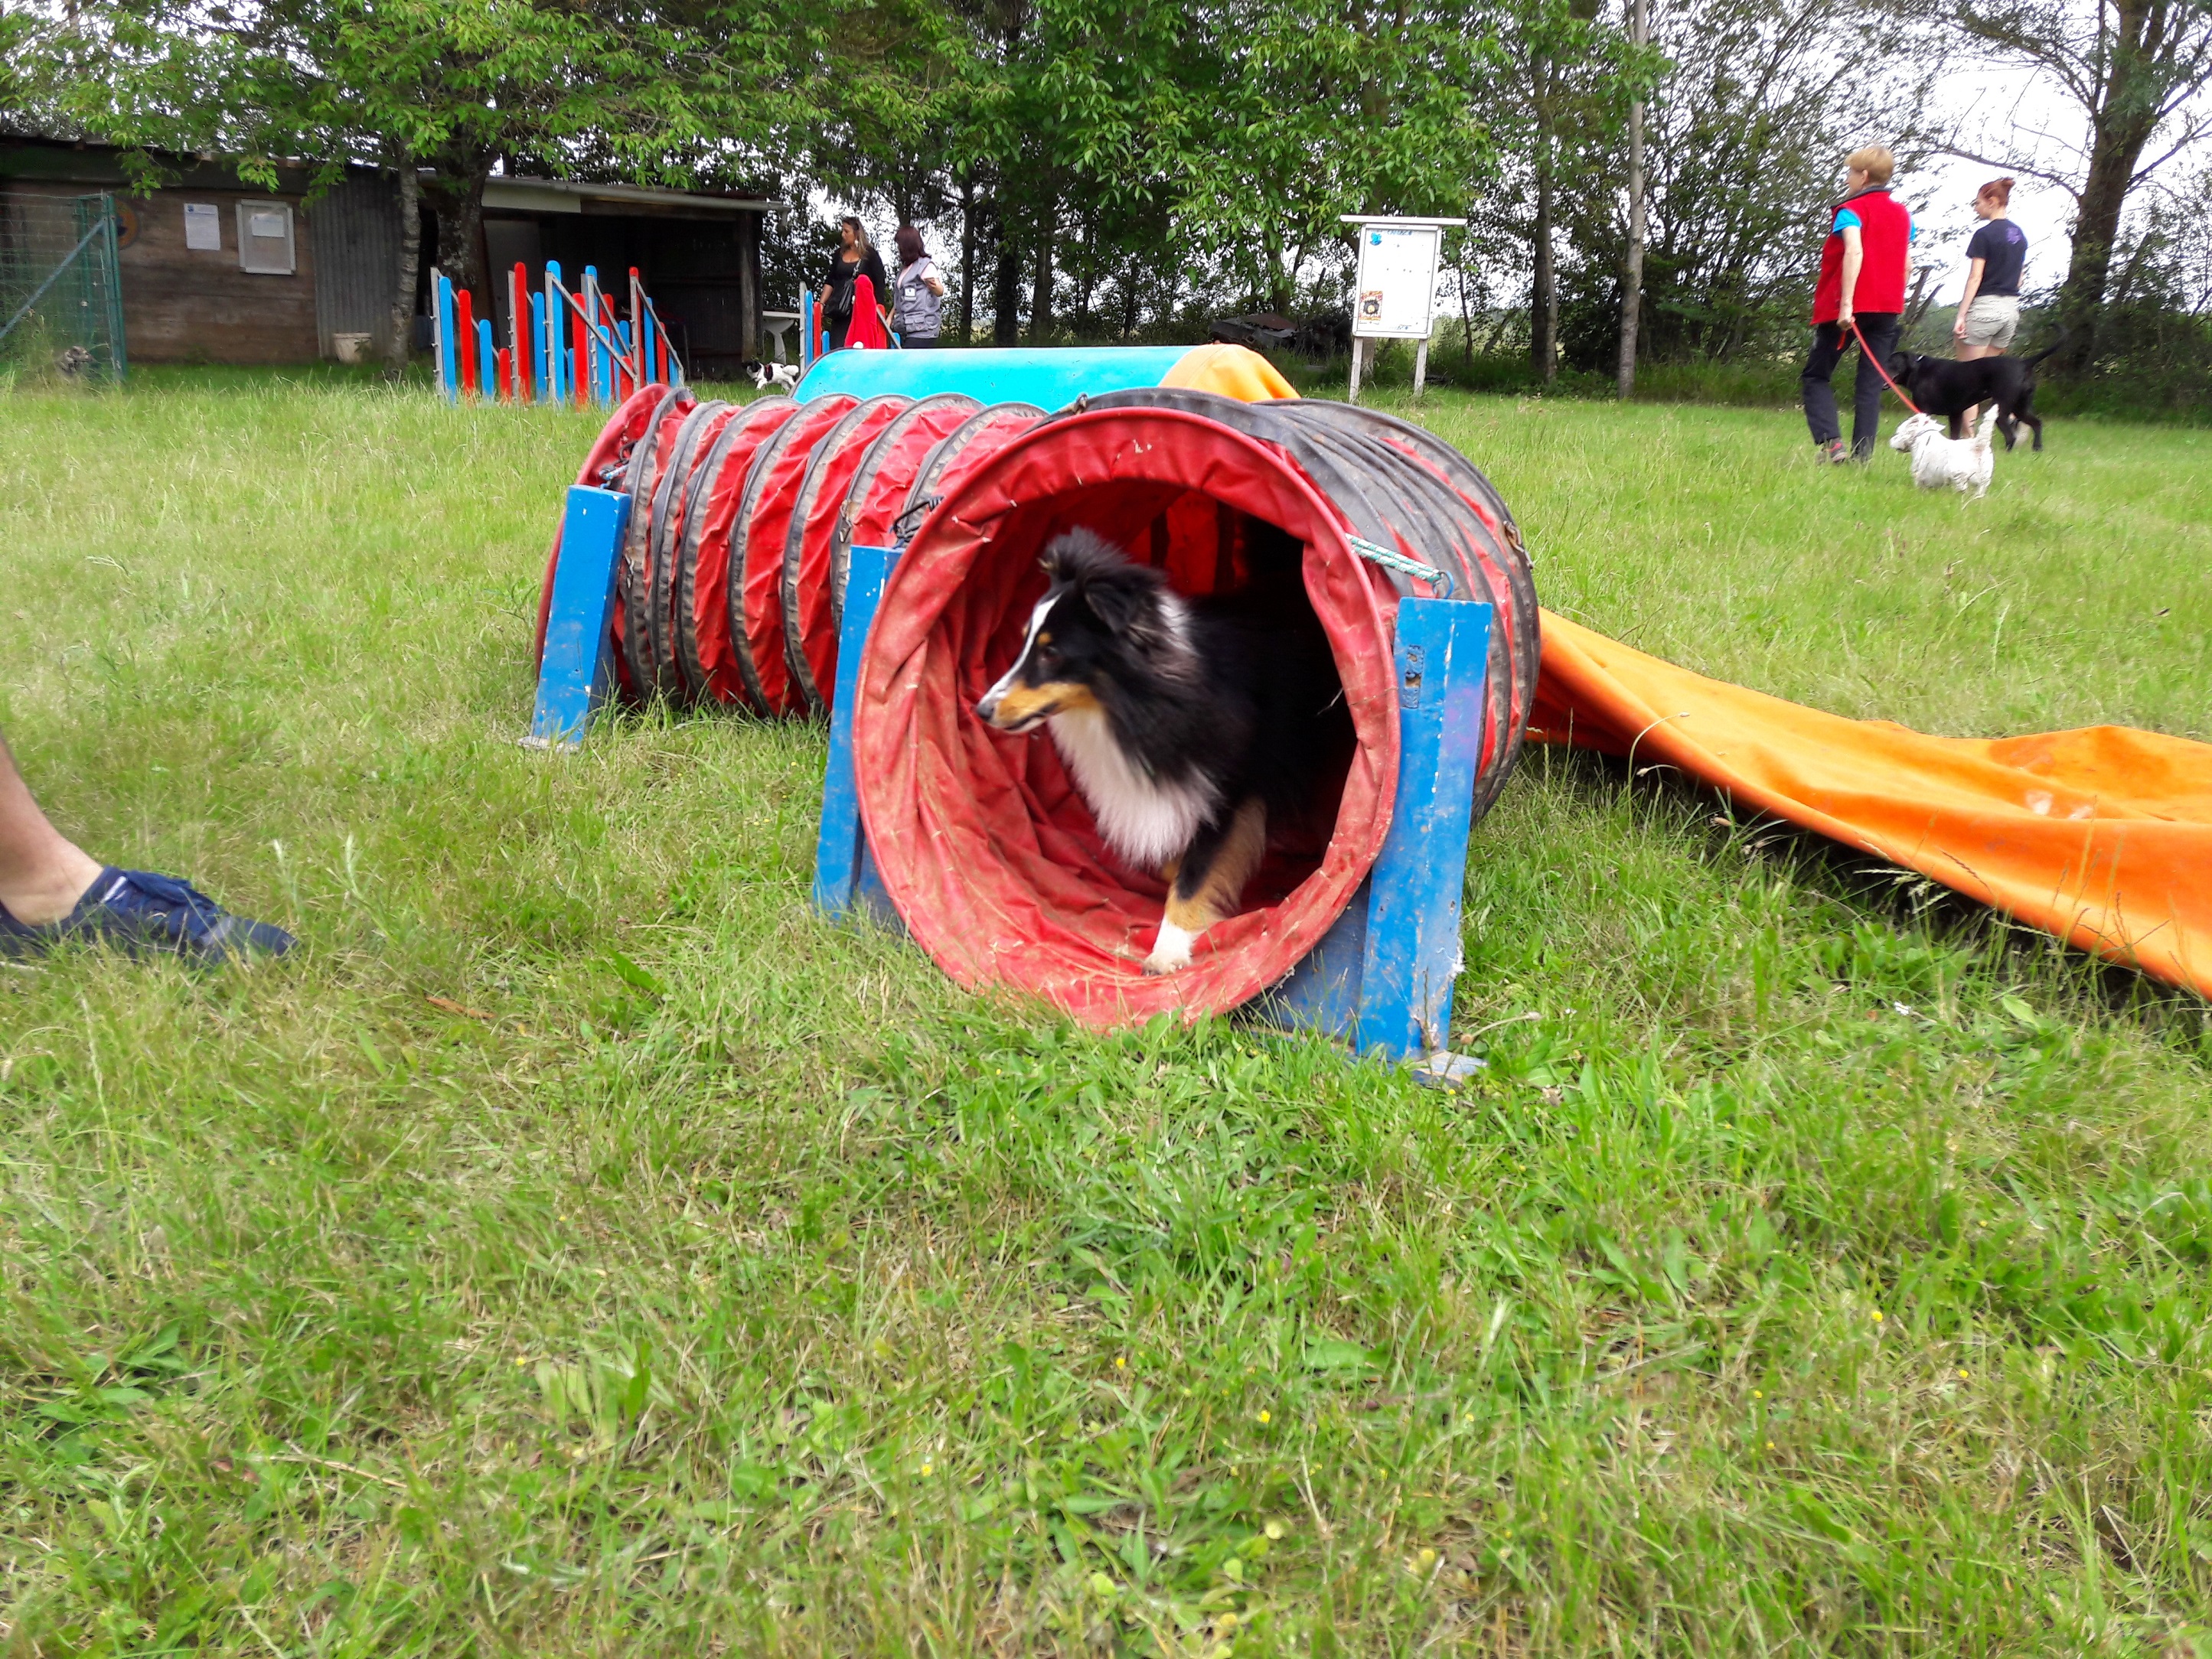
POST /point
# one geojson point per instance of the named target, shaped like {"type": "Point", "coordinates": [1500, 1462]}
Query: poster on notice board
{"type": "Point", "coordinates": [1394, 297]}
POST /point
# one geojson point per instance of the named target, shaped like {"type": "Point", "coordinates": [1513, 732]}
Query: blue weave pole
{"type": "Point", "coordinates": [449, 370]}
{"type": "Point", "coordinates": [578, 673]}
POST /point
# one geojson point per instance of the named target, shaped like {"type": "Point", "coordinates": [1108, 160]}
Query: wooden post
{"type": "Point", "coordinates": [1420, 367]}
{"type": "Point", "coordinates": [1358, 346]}
{"type": "Point", "coordinates": [1632, 283]}
{"type": "Point", "coordinates": [577, 675]}
{"type": "Point", "coordinates": [637, 376]}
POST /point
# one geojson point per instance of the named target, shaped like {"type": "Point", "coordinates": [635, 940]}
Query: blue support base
{"type": "Point", "coordinates": [1381, 976]}
{"type": "Point", "coordinates": [845, 876]}
{"type": "Point", "coordinates": [577, 675]}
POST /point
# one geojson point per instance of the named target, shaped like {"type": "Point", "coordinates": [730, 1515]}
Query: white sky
{"type": "Point", "coordinates": [1988, 107]}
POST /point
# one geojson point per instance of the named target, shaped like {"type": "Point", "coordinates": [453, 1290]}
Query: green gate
{"type": "Point", "coordinates": [61, 292]}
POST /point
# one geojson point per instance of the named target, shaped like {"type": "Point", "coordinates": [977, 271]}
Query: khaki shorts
{"type": "Point", "coordinates": [1991, 320]}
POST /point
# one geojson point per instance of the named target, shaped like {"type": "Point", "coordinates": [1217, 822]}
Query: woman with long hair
{"type": "Point", "coordinates": [920, 293]}
{"type": "Point", "coordinates": [855, 258]}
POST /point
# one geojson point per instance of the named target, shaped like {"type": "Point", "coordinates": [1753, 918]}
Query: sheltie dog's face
{"type": "Point", "coordinates": [1102, 623]}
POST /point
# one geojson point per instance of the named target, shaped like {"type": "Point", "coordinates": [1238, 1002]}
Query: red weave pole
{"type": "Point", "coordinates": [465, 326]}
{"type": "Point", "coordinates": [519, 331]}
{"type": "Point", "coordinates": [503, 365]}
{"type": "Point", "coordinates": [618, 378]}
{"type": "Point", "coordinates": [1867, 354]}
{"type": "Point", "coordinates": [580, 346]}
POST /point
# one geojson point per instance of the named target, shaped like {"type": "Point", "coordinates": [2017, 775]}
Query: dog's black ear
{"type": "Point", "coordinates": [1126, 606]}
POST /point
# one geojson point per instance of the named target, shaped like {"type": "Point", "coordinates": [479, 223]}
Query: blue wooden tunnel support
{"type": "Point", "coordinates": [577, 674]}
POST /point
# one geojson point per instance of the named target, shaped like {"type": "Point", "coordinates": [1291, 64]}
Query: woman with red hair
{"type": "Point", "coordinates": [1988, 310]}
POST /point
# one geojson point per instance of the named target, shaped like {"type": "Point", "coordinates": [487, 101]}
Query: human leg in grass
{"type": "Point", "coordinates": [50, 890]}
{"type": "Point", "coordinates": [1828, 344]}
{"type": "Point", "coordinates": [1830, 341]}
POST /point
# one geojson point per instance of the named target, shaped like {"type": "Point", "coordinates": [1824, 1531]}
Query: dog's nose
{"type": "Point", "coordinates": [987, 706]}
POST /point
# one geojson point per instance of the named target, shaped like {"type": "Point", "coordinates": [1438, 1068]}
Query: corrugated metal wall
{"type": "Point", "coordinates": [355, 233]}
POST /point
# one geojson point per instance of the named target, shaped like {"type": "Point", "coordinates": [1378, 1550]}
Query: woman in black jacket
{"type": "Point", "coordinates": [855, 256]}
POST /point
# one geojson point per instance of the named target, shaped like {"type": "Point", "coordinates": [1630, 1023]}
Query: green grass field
{"type": "Point", "coordinates": [582, 1247]}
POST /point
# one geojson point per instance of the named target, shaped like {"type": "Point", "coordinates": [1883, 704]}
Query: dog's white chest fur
{"type": "Point", "coordinates": [1145, 821]}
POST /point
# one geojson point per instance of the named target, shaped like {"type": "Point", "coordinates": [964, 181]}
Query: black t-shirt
{"type": "Point", "coordinates": [2003, 247]}
{"type": "Point", "coordinates": [842, 273]}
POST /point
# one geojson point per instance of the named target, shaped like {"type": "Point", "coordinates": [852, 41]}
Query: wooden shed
{"type": "Point", "coordinates": [215, 270]}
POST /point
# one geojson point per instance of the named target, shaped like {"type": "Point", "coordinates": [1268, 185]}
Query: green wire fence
{"type": "Point", "coordinates": [61, 291]}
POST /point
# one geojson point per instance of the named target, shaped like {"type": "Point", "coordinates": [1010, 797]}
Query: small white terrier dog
{"type": "Point", "coordinates": [781, 376]}
{"type": "Point", "coordinates": [1938, 460]}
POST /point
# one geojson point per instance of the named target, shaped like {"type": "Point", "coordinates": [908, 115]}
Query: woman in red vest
{"type": "Point", "coordinates": [1863, 280]}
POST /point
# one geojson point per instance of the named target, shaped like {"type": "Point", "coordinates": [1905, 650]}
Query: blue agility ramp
{"type": "Point", "coordinates": [1048, 378]}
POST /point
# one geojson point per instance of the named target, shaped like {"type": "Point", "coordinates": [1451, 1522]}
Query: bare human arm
{"type": "Point", "coordinates": [1974, 269]}
{"type": "Point", "coordinates": [1854, 257]}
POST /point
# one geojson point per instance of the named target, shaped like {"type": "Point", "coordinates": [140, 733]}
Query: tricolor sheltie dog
{"type": "Point", "coordinates": [1187, 724]}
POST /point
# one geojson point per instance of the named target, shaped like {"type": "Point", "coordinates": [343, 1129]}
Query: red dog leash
{"type": "Point", "coordinates": [1867, 352]}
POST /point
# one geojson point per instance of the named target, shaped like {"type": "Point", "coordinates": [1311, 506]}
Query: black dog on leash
{"type": "Point", "coordinates": [1942, 387]}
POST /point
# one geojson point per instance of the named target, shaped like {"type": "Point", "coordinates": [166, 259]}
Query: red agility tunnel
{"type": "Point", "coordinates": [732, 581]}
{"type": "Point", "coordinates": [985, 847]}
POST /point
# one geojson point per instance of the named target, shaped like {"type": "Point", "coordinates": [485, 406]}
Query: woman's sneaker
{"type": "Point", "coordinates": [144, 914]}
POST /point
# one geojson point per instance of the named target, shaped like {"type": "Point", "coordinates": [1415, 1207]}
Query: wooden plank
{"type": "Point", "coordinates": [1412, 945]}
{"type": "Point", "coordinates": [578, 673]}
{"type": "Point", "coordinates": [843, 873]}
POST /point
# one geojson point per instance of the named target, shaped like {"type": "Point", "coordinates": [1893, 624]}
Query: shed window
{"type": "Point", "coordinates": [264, 238]}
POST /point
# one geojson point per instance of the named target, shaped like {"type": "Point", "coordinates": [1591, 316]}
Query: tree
{"type": "Point", "coordinates": [2134, 69]}
{"type": "Point", "coordinates": [1760, 102]}
{"type": "Point", "coordinates": [1561, 88]}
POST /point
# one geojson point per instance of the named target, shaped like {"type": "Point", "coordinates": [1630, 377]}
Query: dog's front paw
{"type": "Point", "coordinates": [1172, 951]}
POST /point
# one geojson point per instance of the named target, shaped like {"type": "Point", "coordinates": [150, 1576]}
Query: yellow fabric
{"type": "Point", "coordinates": [1234, 371]}
{"type": "Point", "coordinates": [2102, 837]}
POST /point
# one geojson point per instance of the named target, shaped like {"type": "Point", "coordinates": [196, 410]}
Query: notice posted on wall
{"type": "Point", "coordinates": [204, 227]}
{"type": "Point", "coordinates": [1396, 294]}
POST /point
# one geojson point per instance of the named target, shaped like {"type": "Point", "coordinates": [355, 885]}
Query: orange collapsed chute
{"type": "Point", "coordinates": [2102, 837]}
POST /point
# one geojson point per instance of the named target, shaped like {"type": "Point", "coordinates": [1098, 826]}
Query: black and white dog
{"type": "Point", "coordinates": [1187, 724]}
{"type": "Point", "coordinates": [781, 376]}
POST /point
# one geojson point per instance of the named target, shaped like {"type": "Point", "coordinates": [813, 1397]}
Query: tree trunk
{"type": "Point", "coordinates": [967, 261]}
{"type": "Point", "coordinates": [1466, 307]}
{"type": "Point", "coordinates": [399, 343]}
{"type": "Point", "coordinates": [457, 199]}
{"type": "Point", "coordinates": [1040, 286]}
{"type": "Point", "coordinates": [2114, 147]}
{"type": "Point", "coordinates": [1006, 286]}
{"type": "Point", "coordinates": [1631, 283]}
{"type": "Point", "coordinates": [1544, 295]}
{"type": "Point", "coordinates": [1129, 298]}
